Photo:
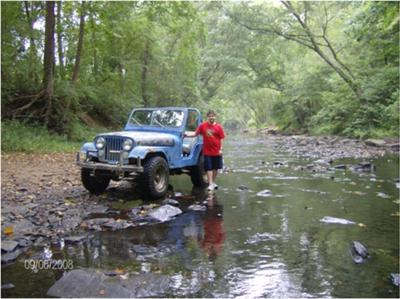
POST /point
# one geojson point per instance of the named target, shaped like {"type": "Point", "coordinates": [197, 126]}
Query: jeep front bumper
{"type": "Point", "coordinates": [115, 168]}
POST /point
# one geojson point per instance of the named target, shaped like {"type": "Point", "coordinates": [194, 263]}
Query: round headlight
{"type": "Point", "coordinates": [100, 143]}
{"type": "Point", "coordinates": [127, 145]}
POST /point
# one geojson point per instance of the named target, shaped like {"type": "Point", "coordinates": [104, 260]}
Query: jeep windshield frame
{"type": "Point", "coordinates": [157, 118]}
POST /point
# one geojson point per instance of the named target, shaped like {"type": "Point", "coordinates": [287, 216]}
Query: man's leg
{"type": "Point", "coordinates": [214, 174]}
{"type": "Point", "coordinates": [208, 169]}
{"type": "Point", "coordinates": [210, 176]}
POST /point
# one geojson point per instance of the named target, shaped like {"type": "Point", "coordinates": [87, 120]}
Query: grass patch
{"type": "Point", "coordinates": [23, 137]}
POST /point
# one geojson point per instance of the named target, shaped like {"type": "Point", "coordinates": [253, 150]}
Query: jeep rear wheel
{"type": "Point", "coordinates": [94, 184]}
{"type": "Point", "coordinates": [198, 175]}
{"type": "Point", "coordinates": [155, 177]}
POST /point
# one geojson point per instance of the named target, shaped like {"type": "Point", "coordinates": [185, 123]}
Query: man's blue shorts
{"type": "Point", "coordinates": [212, 163]}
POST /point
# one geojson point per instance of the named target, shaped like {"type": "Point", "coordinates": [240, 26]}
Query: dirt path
{"type": "Point", "coordinates": [35, 175]}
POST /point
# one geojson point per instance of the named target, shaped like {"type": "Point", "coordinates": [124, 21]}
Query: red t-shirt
{"type": "Point", "coordinates": [212, 135]}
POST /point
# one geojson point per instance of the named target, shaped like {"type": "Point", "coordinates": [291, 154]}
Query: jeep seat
{"type": "Point", "coordinates": [187, 144]}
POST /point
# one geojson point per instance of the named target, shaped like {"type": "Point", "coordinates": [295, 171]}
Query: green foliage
{"type": "Point", "coordinates": [24, 137]}
{"type": "Point", "coordinates": [252, 62]}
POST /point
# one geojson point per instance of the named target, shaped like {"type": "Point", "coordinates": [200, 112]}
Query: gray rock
{"type": "Point", "coordinates": [264, 193]}
{"type": "Point", "coordinates": [340, 166]}
{"type": "Point", "coordinates": [87, 283]}
{"type": "Point", "coordinates": [170, 201]}
{"type": "Point", "coordinates": [334, 220]}
{"type": "Point", "coordinates": [69, 223]}
{"type": "Point", "coordinates": [23, 242]}
{"type": "Point", "coordinates": [53, 219]}
{"type": "Point", "coordinates": [395, 278]}
{"type": "Point", "coordinates": [7, 286]}
{"type": "Point", "coordinates": [98, 210]}
{"type": "Point", "coordinates": [10, 256]}
{"type": "Point", "coordinates": [72, 212]}
{"type": "Point", "coordinates": [8, 245]}
{"type": "Point", "coordinates": [242, 188]}
{"type": "Point", "coordinates": [360, 249]}
{"type": "Point", "coordinates": [375, 142]}
{"type": "Point", "coordinates": [165, 213]}
{"type": "Point", "coordinates": [90, 283]}
{"type": "Point", "coordinates": [197, 208]}
{"type": "Point", "coordinates": [359, 252]}
{"type": "Point", "coordinates": [39, 241]}
{"type": "Point", "coordinates": [98, 221]}
{"type": "Point", "coordinates": [364, 166]}
{"type": "Point", "coordinates": [23, 227]}
{"type": "Point", "coordinates": [75, 239]}
{"type": "Point", "coordinates": [117, 224]}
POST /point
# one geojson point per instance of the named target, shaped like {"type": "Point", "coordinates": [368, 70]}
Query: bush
{"type": "Point", "coordinates": [24, 137]}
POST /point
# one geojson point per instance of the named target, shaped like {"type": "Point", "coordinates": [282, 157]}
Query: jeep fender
{"type": "Point", "coordinates": [197, 152]}
{"type": "Point", "coordinates": [144, 151]}
{"type": "Point", "coordinates": [88, 147]}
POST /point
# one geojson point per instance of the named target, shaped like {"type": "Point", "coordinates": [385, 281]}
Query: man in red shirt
{"type": "Point", "coordinates": [213, 134]}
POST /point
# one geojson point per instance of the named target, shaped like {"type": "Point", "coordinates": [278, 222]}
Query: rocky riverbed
{"type": "Point", "coordinates": [45, 204]}
{"type": "Point", "coordinates": [43, 200]}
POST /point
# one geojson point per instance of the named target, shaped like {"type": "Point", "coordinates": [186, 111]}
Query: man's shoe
{"type": "Point", "coordinates": [215, 186]}
{"type": "Point", "coordinates": [210, 187]}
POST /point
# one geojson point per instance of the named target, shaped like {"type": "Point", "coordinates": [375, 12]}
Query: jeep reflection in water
{"type": "Point", "coordinates": [151, 147]}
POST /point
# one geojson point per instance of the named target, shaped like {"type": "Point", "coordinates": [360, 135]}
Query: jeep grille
{"type": "Point", "coordinates": [113, 148]}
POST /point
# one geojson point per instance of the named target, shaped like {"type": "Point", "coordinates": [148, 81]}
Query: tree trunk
{"type": "Point", "coordinates": [80, 44]}
{"type": "Point", "coordinates": [59, 41]}
{"type": "Point", "coordinates": [145, 66]}
{"type": "Point", "coordinates": [48, 61]}
{"type": "Point", "coordinates": [342, 70]}
{"type": "Point", "coordinates": [33, 51]}
{"type": "Point", "coordinates": [93, 41]}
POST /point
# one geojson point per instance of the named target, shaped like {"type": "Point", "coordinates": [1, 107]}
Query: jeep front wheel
{"type": "Point", "coordinates": [155, 177]}
{"type": "Point", "coordinates": [94, 184]}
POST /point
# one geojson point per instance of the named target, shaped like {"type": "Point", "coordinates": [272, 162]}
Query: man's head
{"type": "Point", "coordinates": [211, 116]}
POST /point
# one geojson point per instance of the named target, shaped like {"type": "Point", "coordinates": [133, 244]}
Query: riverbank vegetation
{"type": "Point", "coordinates": [309, 67]}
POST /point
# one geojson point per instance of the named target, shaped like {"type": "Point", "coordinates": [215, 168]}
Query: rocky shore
{"type": "Point", "coordinates": [43, 201]}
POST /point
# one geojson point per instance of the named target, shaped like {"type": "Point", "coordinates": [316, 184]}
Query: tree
{"type": "Point", "coordinates": [302, 33]}
{"type": "Point", "coordinates": [48, 61]}
{"type": "Point", "coordinates": [60, 41]}
{"type": "Point", "coordinates": [80, 44]}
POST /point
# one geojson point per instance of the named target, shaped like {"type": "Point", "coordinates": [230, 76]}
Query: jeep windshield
{"type": "Point", "coordinates": [157, 118]}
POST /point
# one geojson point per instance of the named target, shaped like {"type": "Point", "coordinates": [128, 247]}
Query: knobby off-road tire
{"type": "Point", "coordinates": [94, 184]}
{"type": "Point", "coordinates": [198, 174]}
{"type": "Point", "coordinates": [155, 177]}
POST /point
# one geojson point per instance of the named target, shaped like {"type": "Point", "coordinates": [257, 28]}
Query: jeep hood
{"type": "Point", "coordinates": [145, 138]}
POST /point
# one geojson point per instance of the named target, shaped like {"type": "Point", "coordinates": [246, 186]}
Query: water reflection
{"type": "Point", "coordinates": [214, 234]}
{"type": "Point", "coordinates": [203, 228]}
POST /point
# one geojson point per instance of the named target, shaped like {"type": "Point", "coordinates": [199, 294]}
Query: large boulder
{"type": "Point", "coordinates": [93, 283]}
{"type": "Point", "coordinates": [165, 213]}
{"type": "Point", "coordinates": [375, 142]}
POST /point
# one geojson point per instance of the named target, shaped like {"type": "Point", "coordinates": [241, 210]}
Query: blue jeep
{"type": "Point", "coordinates": [151, 147]}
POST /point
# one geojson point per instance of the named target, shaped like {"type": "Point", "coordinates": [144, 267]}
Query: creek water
{"type": "Point", "coordinates": [260, 236]}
